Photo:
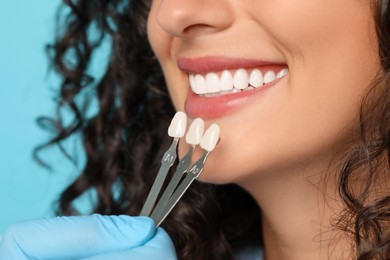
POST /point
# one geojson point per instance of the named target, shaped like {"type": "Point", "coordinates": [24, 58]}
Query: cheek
{"type": "Point", "coordinates": [156, 37]}
{"type": "Point", "coordinates": [332, 55]}
{"type": "Point", "coordinates": [177, 85]}
{"type": "Point", "coordinates": [313, 111]}
{"type": "Point", "coordinates": [302, 27]}
{"type": "Point", "coordinates": [332, 60]}
{"type": "Point", "coordinates": [160, 41]}
{"type": "Point", "coordinates": [163, 45]}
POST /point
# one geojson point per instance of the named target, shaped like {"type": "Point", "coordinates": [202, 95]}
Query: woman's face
{"type": "Point", "coordinates": [282, 122]}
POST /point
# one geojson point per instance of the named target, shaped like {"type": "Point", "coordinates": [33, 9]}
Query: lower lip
{"type": "Point", "coordinates": [218, 106]}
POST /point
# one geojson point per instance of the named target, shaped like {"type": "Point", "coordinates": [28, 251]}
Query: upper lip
{"type": "Point", "coordinates": [207, 64]}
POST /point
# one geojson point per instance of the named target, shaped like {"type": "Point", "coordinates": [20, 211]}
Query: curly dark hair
{"type": "Point", "coordinates": [125, 139]}
{"type": "Point", "coordinates": [367, 217]}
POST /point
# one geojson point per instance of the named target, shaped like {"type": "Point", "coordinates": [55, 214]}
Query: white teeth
{"type": "Point", "coordinates": [282, 73]}
{"type": "Point", "coordinates": [200, 85]}
{"type": "Point", "coordinates": [269, 76]}
{"type": "Point", "coordinates": [248, 88]}
{"type": "Point", "coordinates": [226, 80]}
{"type": "Point", "coordinates": [256, 78]}
{"type": "Point", "coordinates": [240, 79]}
{"type": "Point", "coordinates": [211, 84]}
{"type": "Point", "coordinates": [233, 90]}
{"type": "Point", "coordinates": [192, 82]}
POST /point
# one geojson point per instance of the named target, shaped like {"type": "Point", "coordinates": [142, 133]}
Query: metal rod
{"type": "Point", "coordinates": [178, 175]}
{"type": "Point", "coordinates": [193, 173]}
{"type": "Point", "coordinates": [166, 162]}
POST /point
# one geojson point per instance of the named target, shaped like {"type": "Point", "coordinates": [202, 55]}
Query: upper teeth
{"type": "Point", "coordinates": [232, 81]}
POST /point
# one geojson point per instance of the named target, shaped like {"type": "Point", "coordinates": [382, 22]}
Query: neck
{"type": "Point", "coordinates": [298, 208]}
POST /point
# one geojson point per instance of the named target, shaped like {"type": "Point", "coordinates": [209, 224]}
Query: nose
{"type": "Point", "coordinates": [188, 18]}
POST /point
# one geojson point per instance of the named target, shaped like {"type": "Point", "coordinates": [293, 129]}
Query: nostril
{"type": "Point", "coordinates": [198, 29]}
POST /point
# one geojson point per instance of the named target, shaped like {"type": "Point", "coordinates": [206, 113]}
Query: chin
{"type": "Point", "coordinates": [213, 177]}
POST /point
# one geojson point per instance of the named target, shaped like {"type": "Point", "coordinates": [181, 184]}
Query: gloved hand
{"type": "Point", "coordinates": [94, 237]}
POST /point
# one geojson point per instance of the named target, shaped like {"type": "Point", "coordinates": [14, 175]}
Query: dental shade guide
{"type": "Point", "coordinates": [174, 192]}
{"type": "Point", "coordinates": [176, 129]}
{"type": "Point", "coordinates": [193, 137]}
{"type": "Point", "coordinates": [208, 143]}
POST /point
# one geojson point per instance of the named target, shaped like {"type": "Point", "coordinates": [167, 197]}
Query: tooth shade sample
{"type": "Point", "coordinates": [178, 125]}
{"type": "Point", "coordinates": [256, 78]}
{"type": "Point", "coordinates": [212, 83]}
{"type": "Point", "coordinates": [269, 77]}
{"type": "Point", "coordinates": [240, 79]}
{"type": "Point", "coordinates": [195, 132]}
{"type": "Point", "coordinates": [226, 80]}
{"type": "Point", "coordinates": [210, 138]}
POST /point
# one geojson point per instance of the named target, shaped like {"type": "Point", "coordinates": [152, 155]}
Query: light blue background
{"type": "Point", "coordinates": [26, 91]}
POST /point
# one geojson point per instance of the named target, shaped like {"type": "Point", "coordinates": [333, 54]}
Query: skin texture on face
{"type": "Point", "coordinates": [286, 137]}
{"type": "Point", "coordinates": [329, 48]}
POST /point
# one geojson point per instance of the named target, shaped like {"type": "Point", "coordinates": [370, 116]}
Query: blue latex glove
{"type": "Point", "coordinates": [87, 237]}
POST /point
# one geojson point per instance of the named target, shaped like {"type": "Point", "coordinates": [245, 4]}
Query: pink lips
{"type": "Point", "coordinates": [217, 63]}
{"type": "Point", "coordinates": [218, 106]}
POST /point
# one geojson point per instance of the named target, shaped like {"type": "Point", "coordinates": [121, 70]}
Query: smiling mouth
{"type": "Point", "coordinates": [222, 85]}
{"type": "Point", "coordinates": [233, 81]}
